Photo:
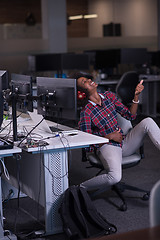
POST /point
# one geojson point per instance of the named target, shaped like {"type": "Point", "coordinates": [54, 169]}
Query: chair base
{"type": "Point", "coordinates": [121, 187]}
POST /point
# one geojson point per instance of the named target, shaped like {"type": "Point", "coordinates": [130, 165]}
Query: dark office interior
{"type": "Point", "coordinates": [52, 39]}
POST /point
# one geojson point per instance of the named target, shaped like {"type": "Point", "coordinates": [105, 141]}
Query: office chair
{"type": "Point", "coordinates": [154, 205]}
{"type": "Point", "coordinates": [127, 162]}
{"type": "Point", "coordinates": [126, 87]}
{"type": "Point", "coordinates": [125, 91]}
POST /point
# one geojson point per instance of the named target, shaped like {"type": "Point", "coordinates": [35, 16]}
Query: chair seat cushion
{"type": "Point", "coordinates": [127, 162]}
{"type": "Point", "coordinates": [131, 160]}
{"type": "Point", "coordinates": [94, 160]}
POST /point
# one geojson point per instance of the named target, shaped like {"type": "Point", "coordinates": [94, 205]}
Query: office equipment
{"type": "Point", "coordinates": [112, 29]}
{"type": "Point", "coordinates": [21, 87]}
{"type": "Point", "coordinates": [58, 62]}
{"type": "Point", "coordinates": [4, 144]}
{"type": "Point", "coordinates": [154, 207]}
{"type": "Point", "coordinates": [4, 81]}
{"type": "Point", "coordinates": [150, 98]}
{"type": "Point", "coordinates": [109, 85]}
{"type": "Point", "coordinates": [42, 125]}
{"type": "Point", "coordinates": [21, 97]}
{"type": "Point", "coordinates": [154, 59]}
{"type": "Point", "coordinates": [57, 98]}
{"type": "Point", "coordinates": [107, 60]}
{"type": "Point", "coordinates": [125, 88]}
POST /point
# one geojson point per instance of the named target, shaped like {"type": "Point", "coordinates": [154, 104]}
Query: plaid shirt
{"type": "Point", "coordinates": [102, 120]}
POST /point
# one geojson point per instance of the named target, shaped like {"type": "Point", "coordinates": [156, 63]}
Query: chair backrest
{"type": "Point", "coordinates": [124, 124]}
{"type": "Point", "coordinates": [126, 86]}
{"type": "Point", "coordinates": [154, 205]}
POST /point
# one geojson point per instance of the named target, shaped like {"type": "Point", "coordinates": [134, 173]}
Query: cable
{"type": "Point", "coordinates": [61, 136]}
{"type": "Point", "coordinates": [67, 144]}
{"type": "Point", "coordinates": [6, 173]}
{"type": "Point", "coordinates": [30, 132]}
{"type": "Point", "coordinates": [9, 123]}
{"type": "Point", "coordinates": [18, 157]}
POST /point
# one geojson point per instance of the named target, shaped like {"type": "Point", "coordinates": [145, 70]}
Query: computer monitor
{"type": "Point", "coordinates": [57, 98]}
{"type": "Point", "coordinates": [110, 58]}
{"type": "Point", "coordinates": [4, 81]}
{"type": "Point", "coordinates": [21, 87]}
{"type": "Point", "coordinates": [136, 56]}
{"type": "Point", "coordinates": [58, 62]}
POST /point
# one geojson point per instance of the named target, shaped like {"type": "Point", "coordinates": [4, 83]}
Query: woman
{"type": "Point", "coordinates": [99, 116]}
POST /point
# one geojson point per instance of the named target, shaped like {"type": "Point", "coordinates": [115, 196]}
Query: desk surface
{"type": "Point", "coordinates": [66, 141]}
{"type": "Point", "coordinates": [79, 140]}
{"type": "Point", "coordinates": [149, 78]}
{"type": "Point", "coordinates": [108, 82]}
{"type": "Point", "coordinates": [142, 234]}
{"type": "Point", "coordinates": [9, 152]}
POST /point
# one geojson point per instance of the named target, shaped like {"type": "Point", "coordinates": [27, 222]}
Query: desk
{"type": "Point", "coordinates": [6, 153]}
{"type": "Point", "coordinates": [142, 234]}
{"type": "Point", "coordinates": [109, 85]}
{"type": "Point", "coordinates": [108, 82]}
{"type": "Point", "coordinates": [54, 177]}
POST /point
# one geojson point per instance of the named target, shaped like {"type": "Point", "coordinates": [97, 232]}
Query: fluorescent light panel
{"type": "Point", "coordinates": [76, 17]}
{"type": "Point", "coordinates": [90, 16]}
{"type": "Point", "coordinates": [86, 16]}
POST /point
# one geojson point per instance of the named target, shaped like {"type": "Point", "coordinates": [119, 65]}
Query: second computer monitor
{"type": "Point", "coordinates": [57, 98]}
{"type": "Point", "coordinates": [21, 87]}
{"type": "Point", "coordinates": [4, 81]}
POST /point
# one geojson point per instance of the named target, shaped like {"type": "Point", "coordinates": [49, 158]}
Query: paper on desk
{"type": "Point", "coordinates": [36, 118]}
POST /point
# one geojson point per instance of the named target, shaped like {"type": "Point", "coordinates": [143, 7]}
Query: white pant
{"type": "Point", "coordinates": [111, 156]}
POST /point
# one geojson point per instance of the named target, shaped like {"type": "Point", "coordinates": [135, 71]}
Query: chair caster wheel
{"type": "Point", "coordinates": [145, 197]}
{"type": "Point", "coordinates": [123, 207]}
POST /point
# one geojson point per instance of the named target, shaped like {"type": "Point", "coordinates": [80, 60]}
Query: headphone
{"type": "Point", "coordinates": [81, 95]}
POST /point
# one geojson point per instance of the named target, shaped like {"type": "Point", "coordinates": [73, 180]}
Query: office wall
{"type": "Point", "coordinates": [139, 31]}
{"type": "Point", "coordinates": [16, 11]}
{"type": "Point", "coordinates": [80, 44]}
{"type": "Point", "coordinates": [137, 17]}
{"type": "Point", "coordinates": [77, 28]}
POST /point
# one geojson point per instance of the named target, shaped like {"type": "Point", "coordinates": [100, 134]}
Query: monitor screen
{"type": "Point", "coordinates": [58, 62]}
{"type": "Point", "coordinates": [110, 58]}
{"type": "Point", "coordinates": [137, 56]}
{"type": "Point", "coordinates": [4, 81]}
{"type": "Point", "coordinates": [21, 87]}
{"type": "Point", "coordinates": [107, 58]}
{"type": "Point", "coordinates": [57, 98]}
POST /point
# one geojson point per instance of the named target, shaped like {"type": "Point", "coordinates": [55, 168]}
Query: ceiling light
{"type": "Point", "coordinates": [90, 16]}
{"type": "Point", "coordinates": [75, 17]}
{"type": "Point", "coordinates": [86, 16]}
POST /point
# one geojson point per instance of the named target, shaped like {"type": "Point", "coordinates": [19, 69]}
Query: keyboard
{"type": "Point", "coordinates": [56, 129]}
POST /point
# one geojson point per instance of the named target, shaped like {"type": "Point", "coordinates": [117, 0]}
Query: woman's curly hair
{"type": "Point", "coordinates": [81, 101]}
